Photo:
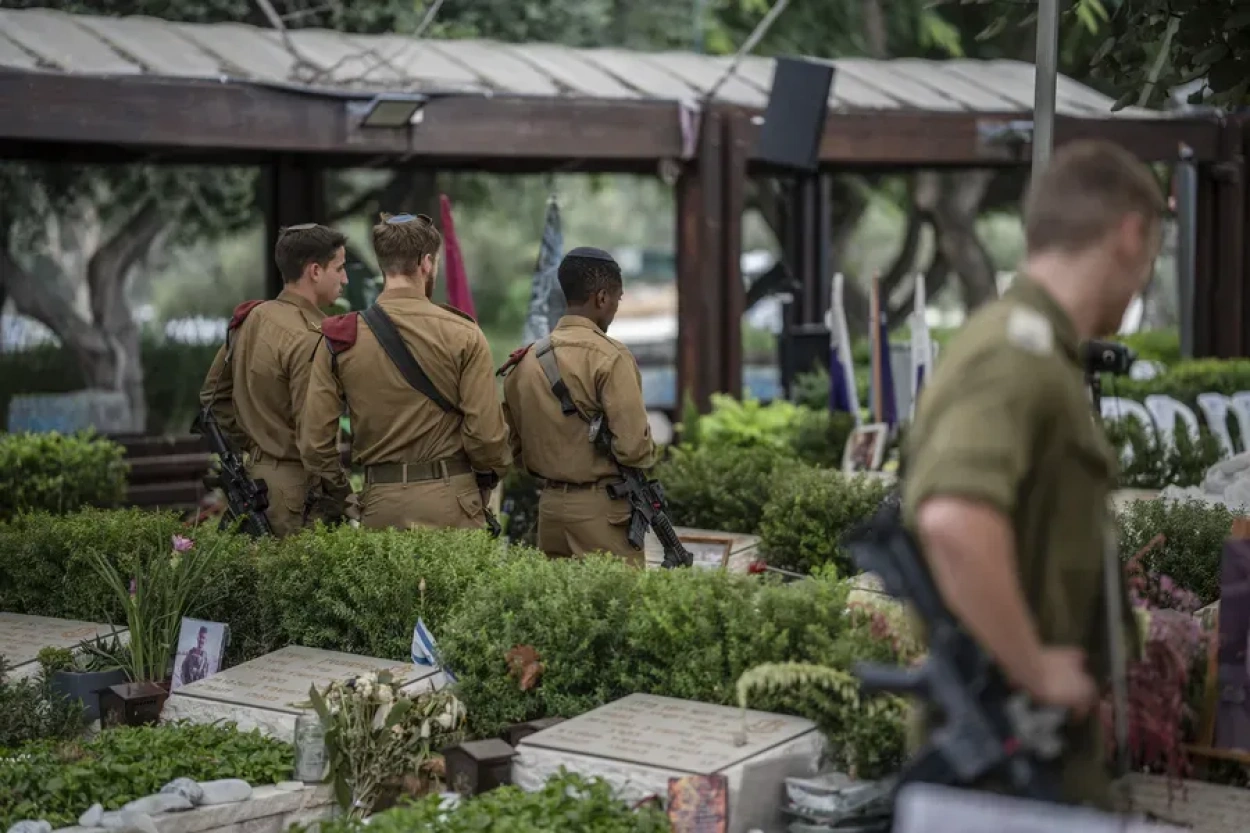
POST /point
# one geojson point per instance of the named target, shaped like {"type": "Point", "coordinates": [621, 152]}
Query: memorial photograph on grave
{"type": "Point", "coordinates": [201, 646]}
{"type": "Point", "coordinates": [1232, 724]}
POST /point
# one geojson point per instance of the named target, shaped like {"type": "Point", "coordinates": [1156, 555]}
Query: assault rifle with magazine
{"type": "Point", "coordinates": [246, 498]}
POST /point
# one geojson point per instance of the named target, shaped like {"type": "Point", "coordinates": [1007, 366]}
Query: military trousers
{"type": "Point", "coordinates": [575, 521]}
{"type": "Point", "coordinates": [453, 502]}
{"type": "Point", "coordinates": [288, 487]}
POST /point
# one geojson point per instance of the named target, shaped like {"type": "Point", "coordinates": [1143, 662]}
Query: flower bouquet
{"type": "Point", "coordinates": [377, 736]}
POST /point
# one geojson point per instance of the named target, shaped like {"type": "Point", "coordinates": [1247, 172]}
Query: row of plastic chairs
{"type": "Point", "coordinates": [1162, 413]}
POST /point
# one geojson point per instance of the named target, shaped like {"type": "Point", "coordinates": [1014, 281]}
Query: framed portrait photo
{"type": "Point", "coordinates": [709, 551]}
{"type": "Point", "coordinates": [865, 448]}
{"type": "Point", "coordinates": [201, 646]}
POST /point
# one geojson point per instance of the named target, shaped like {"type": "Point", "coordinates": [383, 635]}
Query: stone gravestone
{"type": "Point", "coordinates": [743, 550]}
{"type": "Point", "coordinates": [641, 741]}
{"type": "Point", "coordinates": [23, 637]}
{"type": "Point", "coordinates": [107, 411]}
{"type": "Point", "coordinates": [1198, 805]}
{"type": "Point", "coordinates": [265, 693]}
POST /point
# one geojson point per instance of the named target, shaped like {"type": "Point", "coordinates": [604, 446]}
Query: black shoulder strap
{"type": "Point", "coordinates": [384, 329]}
{"type": "Point", "coordinates": [545, 351]}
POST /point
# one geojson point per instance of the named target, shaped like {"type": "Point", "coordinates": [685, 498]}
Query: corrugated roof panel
{"type": "Point", "coordinates": [418, 59]}
{"type": "Point", "coordinates": [343, 60]}
{"type": "Point", "coordinates": [243, 50]}
{"type": "Point", "coordinates": [651, 81]}
{"type": "Point", "coordinates": [59, 41]}
{"type": "Point", "coordinates": [703, 71]}
{"type": "Point", "coordinates": [13, 56]}
{"type": "Point", "coordinates": [913, 95]}
{"type": "Point", "coordinates": [569, 69]}
{"type": "Point", "coordinates": [503, 71]}
{"type": "Point", "coordinates": [1071, 98]}
{"type": "Point", "coordinates": [154, 44]}
{"type": "Point", "coordinates": [974, 86]}
{"type": "Point", "coordinates": [847, 93]}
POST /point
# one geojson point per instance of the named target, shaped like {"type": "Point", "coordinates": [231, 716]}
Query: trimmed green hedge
{"type": "Point", "coordinates": [57, 473]}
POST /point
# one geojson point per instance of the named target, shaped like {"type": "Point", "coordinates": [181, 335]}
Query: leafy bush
{"type": "Point", "coordinates": [808, 513]}
{"type": "Point", "coordinates": [360, 591]}
{"type": "Point", "coordinates": [29, 710]}
{"type": "Point", "coordinates": [812, 435]}
{"type": "Point", "coordinates": [1162, 346]}
{"type": "Point", "coordinates": [721, 489]}
{"type": "Point", "coordinates": [1185, 379]}
{"type": "Point", "coordinates": [52, 472]}
{"type": "Point", "coordinates": [601, 630]}
{"type": "Point", "coordinates": [57, 782]}
{"type": "Point", "coordinates": [519, 506]}
{"type": "Point", "coordinates": [1194, 535]}
{"type": "Point", "coordinates": [1156, 465]}
{"type": "Point", "coordinates": [567, 803]}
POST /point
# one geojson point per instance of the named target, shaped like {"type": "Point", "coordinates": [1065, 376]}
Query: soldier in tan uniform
{"type": "Point", "coordinates": [258, 379]}
{"type": "Point", "coordinates": [417, 377]}
{"type": "Point", "coordinates": [550, 436]}
{"type": "Point", "coordinates": [1008, 475]}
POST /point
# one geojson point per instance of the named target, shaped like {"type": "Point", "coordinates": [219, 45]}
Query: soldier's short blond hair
{"type": "Point", "coordinates": [1086, 190]}
{"type": "Point", "coordinates": [402, 241]}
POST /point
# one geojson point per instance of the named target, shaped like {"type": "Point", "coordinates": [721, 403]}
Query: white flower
{"type": "Point", "coordinates": [369, 678]}
{"type": "Point", "coordinates": [425, 729]}
{"type": "Point", "coordinates": [446, 720]}
{"type": "Point", "coordinates": [398, 728]}
{"type": "Point", "coordinates": [386, 694]}
{"type": "Point", "coordinates": [379, 717]}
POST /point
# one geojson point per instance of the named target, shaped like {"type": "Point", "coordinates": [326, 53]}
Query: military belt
{"type": "Point", "coordinates": [416, 472]}
{"type": "Point", "coordinates": [562, 486]}
{"type": "Point", "coordinates": [259, 456]}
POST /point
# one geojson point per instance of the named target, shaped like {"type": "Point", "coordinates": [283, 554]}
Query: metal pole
{"type": "Point", "coordinates": [1047, 70]}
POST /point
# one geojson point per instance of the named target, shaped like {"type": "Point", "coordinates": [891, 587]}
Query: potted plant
{"type": "Point", "coordinates": [156, 597]}
{"type": "Point", "coordinates": [83, 673]}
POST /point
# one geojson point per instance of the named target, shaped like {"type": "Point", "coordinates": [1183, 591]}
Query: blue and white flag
{"type": "Point", "coordinates": [885, 410]}
{"type": "Point", "coordinates": [425, 652]}
{"type": "Point", "coordinates": [547, 302]}
{"type": "Point", "coordinates": [843, 395]}
{"type": "Point", "coordinates": [921, 345]}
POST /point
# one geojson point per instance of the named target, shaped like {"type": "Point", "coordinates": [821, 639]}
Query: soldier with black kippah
{"type": "Point", "coordinates": [554, 389]}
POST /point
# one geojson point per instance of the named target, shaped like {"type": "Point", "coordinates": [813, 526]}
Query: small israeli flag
{"type": "Point", "coordinates": [425, 652]}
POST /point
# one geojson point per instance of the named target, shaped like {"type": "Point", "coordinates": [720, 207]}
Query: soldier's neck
{"type": "Point", "coordinates": [1068, 281]}
{"type": "Point", "coordinates": [304, 291]}
{"type": "Point", "coordinates": [407, 283]}
{"type": "Point", "coordinates": [584, 312]}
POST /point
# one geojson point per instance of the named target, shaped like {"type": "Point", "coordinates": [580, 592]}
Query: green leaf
{"type": "Point", "coordinates": [319, 704]}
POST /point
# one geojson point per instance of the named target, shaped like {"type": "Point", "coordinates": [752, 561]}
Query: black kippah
{"type": "Point", "coordinates": [592, 253]}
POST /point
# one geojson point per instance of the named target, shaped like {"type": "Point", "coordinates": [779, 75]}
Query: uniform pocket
{"type": "Point", "coordinates": [471, 504]}
{"type": "Point", "coordinates": [619, 512]}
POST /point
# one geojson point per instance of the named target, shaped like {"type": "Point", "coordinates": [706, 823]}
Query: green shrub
{"type": "Point", "coordinates": [1185, 379]}
{"type": "Point", "coordinates": [808, 513]}
{"type": "Point", "coordinates": [519, 506]}
{"type": "Point", "coordinates": [57, 782]}
{"type": "Point", "coordinates": [51, 472]}
{"type": "Point", "coordinates": [1162, 346]}
{"type": "Point", "coordinates": [818, 438]}
{"type": "Point", "coordinates": [567, 803]}
{"type": "Point", "coordinates": [29, 711]}
{"type": "Point", "coordinates": [719, 489]}
{"type": "Point", "coordinates": [602, 631]}
{"type": "Point", "coordinates": [172, 375]}
{"type": "Point", "coordinates": [1195, 533]}
{"type": "Point", "coordinates": [45, 570]}
{"type": "Point", "coordinates": [1156, 465]}
{"type": "Point", "coordinates": [361, 591]}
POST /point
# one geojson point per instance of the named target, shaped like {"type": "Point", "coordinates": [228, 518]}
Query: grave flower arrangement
{"type": "Point", "coordinates": [155, 597]}
{"type": "Point", "coordinates": [378, 737]}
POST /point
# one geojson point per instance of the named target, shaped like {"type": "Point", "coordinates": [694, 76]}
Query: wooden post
{"type": "Point", "coordinates": [293, 192]}
{"type": "Point", "coordinates": [735, 149]}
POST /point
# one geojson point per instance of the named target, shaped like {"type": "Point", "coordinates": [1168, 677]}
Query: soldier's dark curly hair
{"type": "Point", "coordinates": [582, 277]}
{"type": "Point", "coordinates": [302, 245]}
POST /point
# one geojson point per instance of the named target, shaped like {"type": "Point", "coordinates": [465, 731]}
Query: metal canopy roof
{"type": "Point", "coordinates": [89, 45]}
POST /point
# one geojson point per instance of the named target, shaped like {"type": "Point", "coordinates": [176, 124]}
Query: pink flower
{"type": "Point", "coordinates": [182, 544]}
{"type": "Point", "coordinates": [134, 587]}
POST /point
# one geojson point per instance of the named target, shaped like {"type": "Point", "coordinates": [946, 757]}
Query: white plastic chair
{"type": "Point", "coordinates": [1145, 370]}
{"type": "Point", "coordinates": [1241, 407]}
{"type": "Point", "coordinates": [1215, 408]}
{"type": "Point", "coordinates": [1115, 408]}
{"type": "Point", "coordinates": [1166, 411]}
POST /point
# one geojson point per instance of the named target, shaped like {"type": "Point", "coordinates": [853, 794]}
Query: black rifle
{"type": "Point", "coordinates": [646, 503]}
{"type": "Point", "coordinates": [246, 499]}
{"type": "Point", "coordinates": [988, 731]}
{"type": "Point", "coordinates": [486, 483]}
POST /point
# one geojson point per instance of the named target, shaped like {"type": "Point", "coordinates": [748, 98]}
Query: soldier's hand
{"type": "Point", "coordinates": [1064, 682]}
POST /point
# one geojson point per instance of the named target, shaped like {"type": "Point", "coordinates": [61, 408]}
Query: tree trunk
{"type": "Point", "coordinates": [955, 230]}
{"type": "Point", "coordinates": [876, 34]}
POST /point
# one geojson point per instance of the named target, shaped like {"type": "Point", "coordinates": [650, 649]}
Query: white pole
{"type": "Point", "coordinates": [1046, 66]}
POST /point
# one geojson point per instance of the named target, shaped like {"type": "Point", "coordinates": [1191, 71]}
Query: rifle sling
{"type": "Point", "coordinates": [388, 336]}
{"type": "Point", "coordinates": [545, 351]}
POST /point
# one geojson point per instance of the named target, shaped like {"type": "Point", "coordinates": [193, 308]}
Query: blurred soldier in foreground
{"type": "Point", "coordinates": [257, 382]}
{"type": "Point", "coordinates": [598, 376]}
{"type": "Point", "coordinates": [1008, 476]}
{"type": "Point", "coordinates": [417, 378]}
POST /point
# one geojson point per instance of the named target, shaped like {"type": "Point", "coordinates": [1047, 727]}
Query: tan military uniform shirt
{"type": "Point", "coordinates": [393, 423]}
{"type": "Point", "coordinates": [602, 378]}
{"type": "Point", "coordinates": [1007, 421]}
{"type": "Point", "coordinates": [258, 395]}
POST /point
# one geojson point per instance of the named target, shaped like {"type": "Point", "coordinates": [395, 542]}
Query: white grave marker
{"type": "Point", "coordinates": [265, 693]}
{"type": "Point", "coordinates": [639, 742]}
{"type": "Point", "coordinates": [23, 637]}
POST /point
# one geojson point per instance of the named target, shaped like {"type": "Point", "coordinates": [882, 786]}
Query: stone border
{"type": "Point", "coordinates": [269, 810]}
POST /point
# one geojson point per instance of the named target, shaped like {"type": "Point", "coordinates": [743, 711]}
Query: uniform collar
{"type": "Point", "coordinates": [567, 321]}
{"type": "Point", "coordinates": [1034, 295]}
{"type": "Point", "coordinates": [292, 297]}
{"type": "Point", "coordinates": [410, 293]}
